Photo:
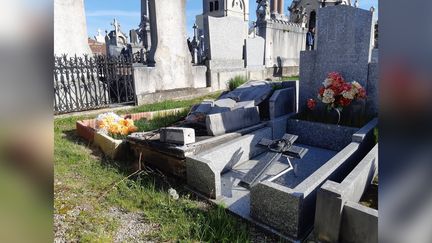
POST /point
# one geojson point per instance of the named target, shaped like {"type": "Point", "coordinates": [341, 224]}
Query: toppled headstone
{"type": "Point", "coordinates": [223, 105]}
{"type": "Point", "coordinates": [257, 91]}
{"type": "Point", "coordinates": [205, 106]}
{"type": "Point", "coordinates": [244, 105]}
{"type": "Point", "coordinates": [282, 102]}
{"type": "Point", "coordinates": [177, 135]}
{"type": "Point", "coordinates": [221, 123]}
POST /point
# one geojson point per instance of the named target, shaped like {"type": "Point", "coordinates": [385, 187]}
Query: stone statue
{"type": "Point", "coordinates": [262, 9]}
{"type": "Point", "coordinates": [304, 18]}
{"type": "Point", "coordinates": [356, 4]}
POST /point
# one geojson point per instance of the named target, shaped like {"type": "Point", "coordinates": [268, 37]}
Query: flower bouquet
{"type": "Point", "coordinates": [337, 94]}
{"type": "Point", "coordinates": [114, 125]}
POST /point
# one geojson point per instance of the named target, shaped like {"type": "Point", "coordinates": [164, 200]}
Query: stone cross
{"type": "Point", "coordinates": [277, 149]}
{"type": "Point", "coordinates": [116, 25]}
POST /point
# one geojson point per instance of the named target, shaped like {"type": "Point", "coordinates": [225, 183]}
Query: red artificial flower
{"type": "Point", "coordinates": [337, 77]}
{"type": "Point", "coordinates": [321, 91]}
{"type": "Point", "coordinates": [344, 101]}
{"type": "Point", "coordinates": [336, 89]}
{"type": "Point", "coordinates": [345, 87]}
{"type": "Point", "coordinates": [311, 103]}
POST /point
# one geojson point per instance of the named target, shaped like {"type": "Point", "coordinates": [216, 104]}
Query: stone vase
{"type": "Point", "coordinates": [333, 116]}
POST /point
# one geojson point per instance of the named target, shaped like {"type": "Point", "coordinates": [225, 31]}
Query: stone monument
{"type": "Point", "coordinates": [70, 28]}
{"type": "Point", "coordinates": [99, 37]}
{"type": "Point", "coordinates": [144, 32]}
{"type": "Point", "coordinates": [168, 72]}
{"type": "Point", "coordinates": [169, 50]}
{"type": "Point", "coordinates": [300, 8]}
{"type": "Point", "coordinates": [284, 39]}
{"type": "Point", "coordinates": [116, 40]}
{"type": "Point", "coordinates": [344, 45]}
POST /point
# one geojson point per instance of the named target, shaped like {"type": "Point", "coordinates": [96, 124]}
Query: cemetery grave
{"type": "Point", "coordinates": [269, 152]}
{"type": "Point", "coordinates": [228, 164]}
{"type": "Point", "coordinates": [228, 146]}
{"type": "Point", "coordinates": [253, 150]}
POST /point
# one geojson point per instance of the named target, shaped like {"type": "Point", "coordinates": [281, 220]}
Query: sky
{"type": "Point", "coordinates": [101, 13]}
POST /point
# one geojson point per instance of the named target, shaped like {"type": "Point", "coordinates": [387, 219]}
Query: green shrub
{"type": "Point", "coordinates": [236, 82]}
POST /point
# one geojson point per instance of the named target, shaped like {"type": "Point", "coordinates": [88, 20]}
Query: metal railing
{"type": "Point", "coordinates": [92, 82]}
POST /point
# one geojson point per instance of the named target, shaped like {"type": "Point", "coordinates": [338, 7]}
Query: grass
{"type": "Point", "coordinates": [158, 122]}
{"type": "Point", "coordinates": [285, 78]}
{"type": "Point", "coordinates": [171, 104]}
{"type": "Point", "coordinates": [236, 82]}
{"type": "Point", "coordinates": [84, 194]}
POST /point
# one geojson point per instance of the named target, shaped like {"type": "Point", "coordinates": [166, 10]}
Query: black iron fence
{"type": "Point", "coordinates": [92, 82]}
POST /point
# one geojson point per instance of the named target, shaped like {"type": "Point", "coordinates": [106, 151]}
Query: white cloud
{"type": "Point", "coordinates": [113, 13]}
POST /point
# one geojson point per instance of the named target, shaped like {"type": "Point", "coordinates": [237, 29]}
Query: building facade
{"type": "Point", "coordinates": [305, 11]}
{"type": "Point", "coordinates": [224, 8]}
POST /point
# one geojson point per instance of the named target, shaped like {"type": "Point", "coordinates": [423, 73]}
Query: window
{"type": "Point", "coordinates": [211, 6]}
{"type": "Point", "coordinates": [216, 6]}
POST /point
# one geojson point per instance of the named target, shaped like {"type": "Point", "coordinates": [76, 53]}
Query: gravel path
{"type": "Point", "coordinates": [132, 226]}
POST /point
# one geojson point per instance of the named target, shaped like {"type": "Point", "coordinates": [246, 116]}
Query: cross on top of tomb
{"type": "Point", "coordinates": [116, 25]}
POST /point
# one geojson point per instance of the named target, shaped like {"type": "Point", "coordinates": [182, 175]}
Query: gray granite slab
{"type": "Point", "coordinates": [222, 105]}
{"type": "Point", "coordinates": [372, 90]}
{"type": "Point", "coordinates": [282, 102]}
{"type": "Point", "coordinates": [177, 135]}
{"type": "Point", "coordinates": [236, 198]}
{"type": "Point", "coordinates": [241, 149]}
{"type": "Point", "coordinates": [253, 175]}
{"type": "Point", "coordinates": [328, 136]}
{"type": "Point", "coordinates": [343, 45]}
{"type": "Point", "coordinates": [257, 91]}
{"type": "Point", "coordinates": [221, 123]}
{"type": "Point", "coordinates": [203, 170]}
{"type": "Point", "coordinates": [244, 104]}
{"type": "Point", "coordinates": [312, 161]}
{"type": "Point", "coordinates": [205, 106]}
{"type": "Point", "coordinates": [274, 205]}
{"type": "Point", "coordinates": [331, 202]}
{"type": "Point", "coordinates": [225, 102]}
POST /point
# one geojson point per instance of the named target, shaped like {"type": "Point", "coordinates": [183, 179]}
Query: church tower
{"type": "Point", "coordinates": [223, 8]}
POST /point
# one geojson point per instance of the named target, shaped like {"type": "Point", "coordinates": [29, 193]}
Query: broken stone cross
{"type": "Point", "coordinates": [277, 148]}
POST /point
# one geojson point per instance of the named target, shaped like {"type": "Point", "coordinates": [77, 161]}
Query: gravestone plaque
{"type": "Point", "coordinates": [133, 36]}
{"type": "Point", "coordinates": [344, 42]}
{"type": "Point", "coordinates": [255, 52]}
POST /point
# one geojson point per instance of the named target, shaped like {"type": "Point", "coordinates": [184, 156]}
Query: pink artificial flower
{"type": "Point", "coordinates": [362, 93]}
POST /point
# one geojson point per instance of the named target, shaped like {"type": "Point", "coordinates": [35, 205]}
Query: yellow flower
{"type": "Point", "coordinates": [124, 130]}
{"type": "Point", "coordinates": [114, 128]}
{"type": "Point", "coordinates": [101, 124]}
{"type": "Point", "coordinates": [132, 129]}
